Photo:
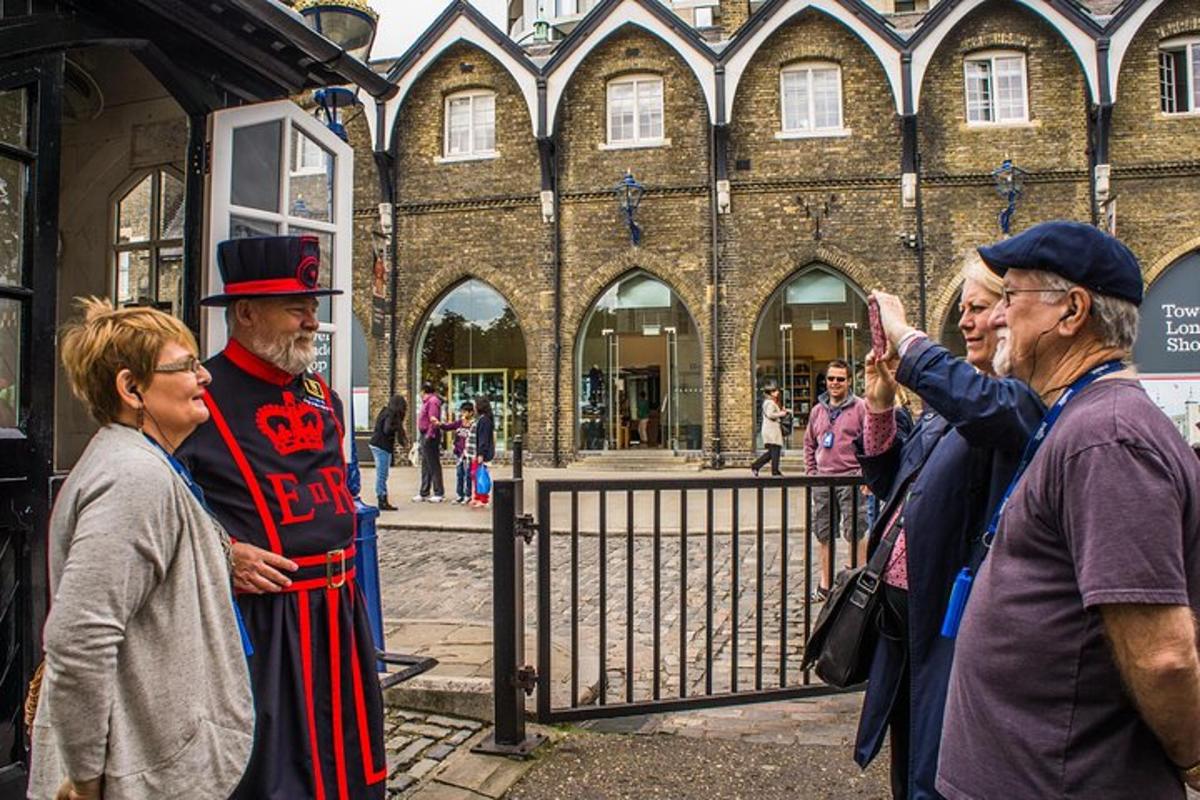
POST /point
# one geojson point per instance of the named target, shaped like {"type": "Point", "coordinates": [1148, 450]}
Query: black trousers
{"type": "Point", "coordinates": [773, 453]}
{"type": "Point", "coordinates": [895, 624]}
{"type": "Point", "coordinates": [431, 469]}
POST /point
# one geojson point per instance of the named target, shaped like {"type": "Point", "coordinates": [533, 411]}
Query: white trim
{"type": "Point", "coordinates": [1079, 41]}
{"type": "Point", "coordinates": [636, 81]}
{"type": "Point", "coordinates": [1190, 46]}
{"type": "Point", "coordinates": [990, 57]}
{"type": "Point", "coordinates": [821, 133]}
{"type": "Point", "coordinates": [1122, 37]}
{"type": "Point", "coordinates": [221, 125]}
{"type": "Point", "coordinates": [462, 29]}
{"type": "Point", "coordinates": [629, 12]}
{"type": "Point", "coordinates": [643, 144]}
{"type": "Point", "coordinates": [807, 68]}
{"type": "Point", "coordinates": [485, 156]}
{"type": "Point", "coordinates": [884, 49]}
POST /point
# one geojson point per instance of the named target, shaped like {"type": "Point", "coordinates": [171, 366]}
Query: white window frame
{"type": "Point", "coordinates": [472, 153]}
{"type": "Point", "coordinates": [1190, 45]}
{"type": "Point", "coordinates": [807, 68]}
{"type": "Point", "coordinates": [635, 80]}
{"type": "Point", "coordinates": [301, 156]}
{"type": "Point", "coordinates": [154, 246]}
{"type": "Point", "coordinates": [990, 57]}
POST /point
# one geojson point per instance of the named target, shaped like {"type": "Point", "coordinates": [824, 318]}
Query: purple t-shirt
{"type": "Point", "coordinates": [1108, 513]}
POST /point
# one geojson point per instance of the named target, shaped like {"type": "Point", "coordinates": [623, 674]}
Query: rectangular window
{"type": "Point", "coordinates": [1179, 78]}
{"type": "Point", "coordinates": [995, 88]}
{"type": "Point", "coordinates": [704, 17]}
{"type": "Point", "coordinates": [471, 125]}
{"type": "Point", "coordinates": [635, 110]}
{"type": "Point", "coordinates": [811, 98]}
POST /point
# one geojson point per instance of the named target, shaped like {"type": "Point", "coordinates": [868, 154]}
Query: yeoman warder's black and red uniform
{"type": "Point", "coordinates": [271, 465]}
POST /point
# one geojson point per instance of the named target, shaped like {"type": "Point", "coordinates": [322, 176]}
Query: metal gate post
{"type": "Point", "coordinates": [511, 680]}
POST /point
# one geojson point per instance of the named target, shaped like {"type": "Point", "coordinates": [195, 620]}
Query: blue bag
{"type": "Point", "coordinates": [483, 480]}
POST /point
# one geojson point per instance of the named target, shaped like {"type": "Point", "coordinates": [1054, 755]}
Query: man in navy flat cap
{"type": "Point", "coordinates": [1076, 671]}
{"type": "Point", "coordinates": [271, 464]}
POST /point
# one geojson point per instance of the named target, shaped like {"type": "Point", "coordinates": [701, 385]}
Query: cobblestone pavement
{"type": "Point", "coordinates": [417, 743]}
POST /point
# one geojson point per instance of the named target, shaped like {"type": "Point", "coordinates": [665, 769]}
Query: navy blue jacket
{"type": "Point", "coordinates": [963, 451]}
{"type": "Point", "coordinates": [485, 437]}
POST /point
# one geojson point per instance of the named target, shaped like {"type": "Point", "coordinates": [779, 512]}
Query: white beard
{"type": "Point", "coordinates": [1002, 360]}
{"type": "Point", "coordinates": [292, 354]}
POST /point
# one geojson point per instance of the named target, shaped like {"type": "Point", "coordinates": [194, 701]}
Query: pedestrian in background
{"type": "Point", "coordinates": [462, 428]}
{"type": "Point", "coordinates": [772, 430]}
{"type": "Point", "coordinates": [481, 447]}
{"type": "Point", "coordinates": [389, 431]}
{"type": "Point", "coordinates": [145, 690]}
{"type": "Point", "coordinates": [834, 427]}
{"type": "Point", "coordinates": [1076, 671]}
{"type": "Point", "coordinates": [429, 428]}
{"type": "Point", "coordinates": [940, 482]}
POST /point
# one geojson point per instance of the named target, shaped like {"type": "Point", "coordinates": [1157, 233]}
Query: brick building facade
{"type": "Point", "coordinates": [817, 151]}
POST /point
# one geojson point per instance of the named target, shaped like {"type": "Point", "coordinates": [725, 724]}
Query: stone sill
{"type": "Point", "coordinates": [827, 133]}
{"type": "Point", "coordinates": [643, 145]}
{"type": "Point", "coordinates": [1179, 115]}
{"type": "Point", "coordinates": [983, 127]}
{"type": "Point", "coordinates": [460, 159]}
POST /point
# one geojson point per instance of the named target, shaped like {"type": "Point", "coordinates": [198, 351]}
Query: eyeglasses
{"type": "Point", "coordinates": [189, 364]}
{"type": "Point", "coordinates": [1007, 293]}
{"type": "Point", "coordinates": [834, 379]}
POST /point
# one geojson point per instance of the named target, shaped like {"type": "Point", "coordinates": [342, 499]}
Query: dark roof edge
{"type": "Point", "coordinates": [1068, 9]}
{"type": "Point", "coordinates": [1124, 11]}
{"type": "Point", "coordinates": [314, 44]}
{"type": "Point", "coordinates": [870, 17]}
{"type": "Point", "coordinates": [441, 24]}
{"type": "Point", "coordinates": [602, 11]}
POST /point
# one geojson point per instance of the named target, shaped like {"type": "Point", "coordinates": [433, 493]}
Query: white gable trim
{"type": "Point", "coordinates": [630, 12]}
{"type": "Point", "coordinates": [884, 50]}
{"type": "Point", "coordinates": [1079, 41]}
{"type": "Point", "coordinates": [1122, 38]}
{"type": "Point", "coordinates": [462, 29]}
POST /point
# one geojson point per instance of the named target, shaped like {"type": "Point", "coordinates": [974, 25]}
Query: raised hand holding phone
{"type": "Point", "coordinates": [879, 342]}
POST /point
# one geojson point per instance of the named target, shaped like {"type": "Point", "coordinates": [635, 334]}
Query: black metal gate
{"type": "Point", "coordinates": [665, 594]}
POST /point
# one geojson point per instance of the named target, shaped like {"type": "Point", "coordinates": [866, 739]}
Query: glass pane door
{"type": "Point", "coordinates": [278, 171]}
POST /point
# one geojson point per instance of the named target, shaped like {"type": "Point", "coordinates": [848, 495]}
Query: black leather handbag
{"type": "Point", "coordinates": [843, 639]}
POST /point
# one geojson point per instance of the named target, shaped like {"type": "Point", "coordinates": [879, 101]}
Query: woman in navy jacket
{"type": "Point", "coordinates": [956, 463]}
{"type": "Point", "coordinates": [484, 450]}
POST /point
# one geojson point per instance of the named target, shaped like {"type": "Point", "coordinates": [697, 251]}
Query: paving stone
{"type": "Point", "coordinates": [399, 741]}
{"type": "Point", "coordinates": [400, 783]}
{"type": "Point", "coordinates": [439, 751]}
{"type": "Point", "coordinates": [423, 729]}
{"type": "Point", "coordinates": [422, 768]}
{"type": "Point", "coordinates": [459, 738]}
{"type": "Point", "coordinates": [452, 722]}
{"type": "Point", "coordinates": [413, 750]}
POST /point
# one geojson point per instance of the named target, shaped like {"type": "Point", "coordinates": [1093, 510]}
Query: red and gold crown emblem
{"type": "Point", "coordinates": [291, 427]}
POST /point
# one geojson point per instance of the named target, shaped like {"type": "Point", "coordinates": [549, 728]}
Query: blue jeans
{"type": "Point", "coordinates": [383, 463]}
{"type": "Point", "coordinates": [462, 479]}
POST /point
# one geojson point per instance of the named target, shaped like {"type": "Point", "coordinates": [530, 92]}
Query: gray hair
{"type": "Point", "coordinates": [1114, 321]}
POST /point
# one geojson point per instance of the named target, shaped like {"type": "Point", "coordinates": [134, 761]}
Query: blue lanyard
{"type": "Point", "coordinates": [963, 583]}
{"type": "Point", "coordinates": [198, 493]}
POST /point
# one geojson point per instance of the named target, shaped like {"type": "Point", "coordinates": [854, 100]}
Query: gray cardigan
{"type": "Point", "coordinates": [145, 679]}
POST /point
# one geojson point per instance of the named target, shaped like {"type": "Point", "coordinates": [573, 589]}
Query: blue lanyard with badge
{"type": "Point", "coordinates": [198, 493]}
{"type": "Point", "coordinates": [966, 578]}
{"type": "Point", "coordinates": [834, 413]}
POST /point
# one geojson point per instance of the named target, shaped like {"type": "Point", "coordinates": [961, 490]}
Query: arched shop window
{"type": "Point", "coordinates": [638, 370]}
{"type": "Point", "coordinates": [1167, 352]}
{"type": "Point", "coordinates": [952, 338]}
{"type": "Point", "coordinates": [814, 317]}
{"type": "Point", "coordinates": [472, 344]}
{"type": "Point", "coordinates": [147, 242]}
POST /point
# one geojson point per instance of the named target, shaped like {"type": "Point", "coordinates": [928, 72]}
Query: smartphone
{"type": "Point", "coordinates": [879, 342]}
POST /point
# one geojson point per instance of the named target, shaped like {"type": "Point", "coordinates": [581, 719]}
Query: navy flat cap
{"type": "Point", "coordinates": [268, 266]}
{"type": "Point", "coordinates": [1081, 253]}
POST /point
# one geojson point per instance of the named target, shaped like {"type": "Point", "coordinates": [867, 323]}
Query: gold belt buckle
{"type": "Point", "coordinates": [338, 555]}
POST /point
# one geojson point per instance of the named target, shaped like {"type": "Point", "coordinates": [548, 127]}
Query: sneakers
{"type": "Point", "coordinates": [419, 498]}
{"type": "Point", "coordinates": [436, 498]}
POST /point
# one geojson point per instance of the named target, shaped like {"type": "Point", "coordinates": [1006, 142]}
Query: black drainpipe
{"type": "Point", "coordinates": [549, 163]}
{"type": "Point", "coordinates": [718, 141]}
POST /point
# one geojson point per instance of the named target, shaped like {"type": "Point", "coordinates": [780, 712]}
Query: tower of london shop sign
{"type": "Point", "coordinates": [1169, 334]}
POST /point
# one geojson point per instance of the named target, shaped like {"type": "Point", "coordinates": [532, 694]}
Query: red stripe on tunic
{"type": "Point", "coordinates": [306, 669]}
{"type": "Point", "coordinates": [243, 465]}
{"type": "Point", "coordinates": [335, 679]}
{"type": "Point", "coordinates": [372, 774]}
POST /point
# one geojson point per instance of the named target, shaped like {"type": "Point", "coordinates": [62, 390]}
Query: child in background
{"type": "Point", "coordinates": [462, 465]}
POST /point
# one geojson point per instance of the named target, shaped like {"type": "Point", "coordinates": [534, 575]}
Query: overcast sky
{"type": "Point", "coordinates": [402, 21]}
